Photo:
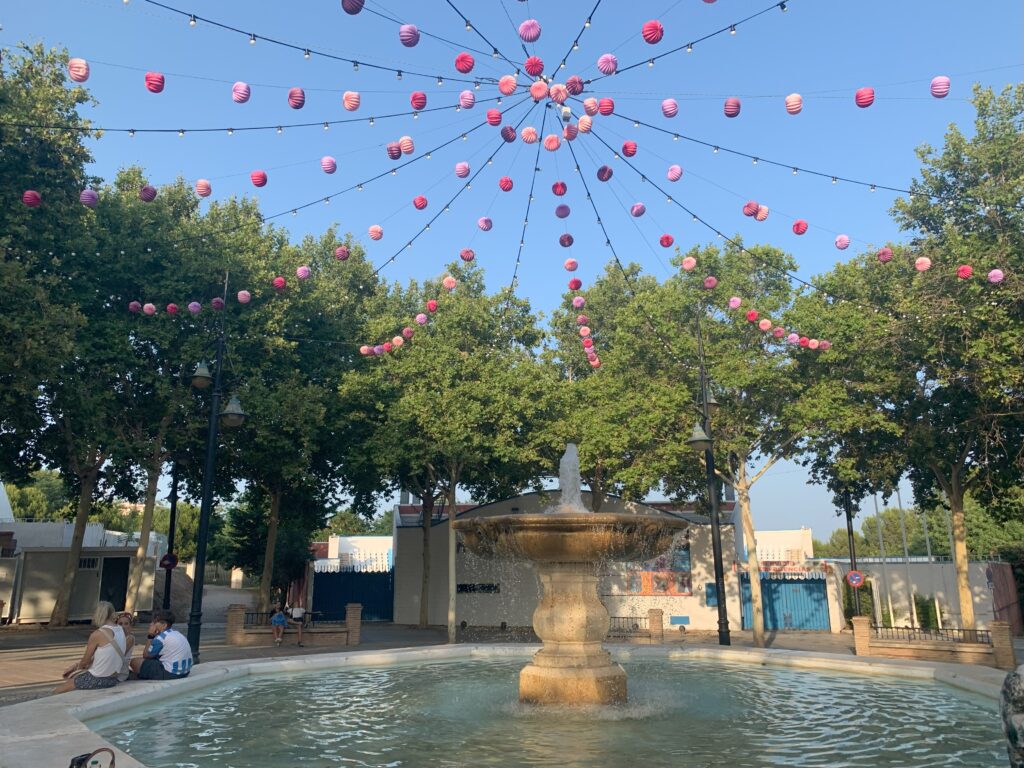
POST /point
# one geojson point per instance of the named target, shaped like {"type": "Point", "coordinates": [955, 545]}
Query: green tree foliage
{"type": "Point", "coordinates": [348, 523]}
{"type": "Point", "coordinates": [44, 497]}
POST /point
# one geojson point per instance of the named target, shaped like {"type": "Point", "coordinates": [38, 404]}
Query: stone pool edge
{"type": "Point", "coordinates": [50, 731]}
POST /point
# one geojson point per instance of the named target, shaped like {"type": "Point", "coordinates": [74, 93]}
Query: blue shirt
{"type": "Point", "coordinates": [173, 650]}
{"type": "Point", "coordinates": [279, 619]}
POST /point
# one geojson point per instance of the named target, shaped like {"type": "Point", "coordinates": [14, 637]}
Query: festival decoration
{"type": "Point", "coordinates": [244, 297]}
{"type": "Point", "coordinates": [240, 92]}
{"type": "Point", "coordinates": [464, 63]}
{"type": "Point", "coordinates": [637, 210]}
{"type": "Point", "coordinates": [328, 164]}
{"type": "Point", "coordinates": [258, 178]}
{"type": "Point", "coordinates": [922, 264]}
{"type": "Point", "coordinates": [149, 309]}
{"type": "Point", "coordinates": [884, 254]}
{"type": "Point", "coordinates": [629, 148]}
{"type": "Point", "coordinates": [652, 32]}
{"type": "Point", "coordinates": [432, 305]}
{"type": "Point", "coordinates": [418, 100]}
{"type": "Point", "coordinates": [352, 7]}
{"type": "Point", "coordinates": [666, 241]}
{"type": "Point", "coordinates": [669, 108]}
{"type": "Point", "coordinates": [507, 85]}
{"type": "Point", "coordinates": [794, 103]}
{"type": "Point", "coordinates": [562, 211]}
{"type": "Point", "coordinates": [529, 31]}
{"type": "Point", "coordinates": [462, 169]}
{"type": "Point", "coordinates": [450, 282]}
{"type": "Point", "coordinates": [351, 100]}
{"type": "Point", "coordinates": [467, 254]}
{"type": "Point", "coordinates": [750, 208]}
{"type": "Point", "coordinates": [505, 184]}
{"type": "Point", "coordinates": [590, 106]}
{"type": "Point", "coordinates": [605, 106]}
{"type": "Point", "coordinates": [940, 87]}
{"type": "Point", "coordinates": [607, 63]}
{"type": "Point", "coordinates": [574, 285]}
{"type": "Point", "coordinates": [995, 276]}
{"type": "Point", "coordinates": [154, 82]}
{"type": "Point", "coordinates": [194, 307]}
{"type": "Point", "coordinates": [559, 93]}
{"type": "Point", "coordinates": [571, 265]}
{"type": "Point", "coordinates": [467, 100]}
{"type": "Point", "coordinates": [732, 107]}
{"type": "Point", "coordinates": [376, 231]}
{"type": "Point", "coordinates": [279, 283]}
{"type": "Point", "coordinates": [552, 142]}
{"type": "Point", "coordinates": [799, 227]}
{"type": "Point", "coordinates": [539, 90]}
{"type": "Point", "coordinates": [565, 240]}
{"type": "Point", "coordinates": [570, 131]}
{"type": "Point", "coordinates": [559, 188]}
{"type": "Point", "coordinates": [303, 272]}
{"type": "Point", "coordinates": [341, 253]}
{"type": "Point", "coordinates": [508, 133]}
{"type": "Point", "coordinates": [494, 117]}
{"type": "Point", "coordinates": [135, 307]}
{"type": "Point", "coordinates": [394, 150]}
{"type": "Point", "coordinates": [147, 193]}
{"type": "Point", "coordinates": [89, 198]}
{"type": "Point", "coordinates": [419, 202]}
{"type": "Point", "coordinates": [735, 302]}
{"type": "Point", "coordinates": [604, 173]}
{"type": "Point", "coordinates": [574, 84]}
{"type": "Point", "coordinates": [689, 264]}
{"type": "Point", "coordinates": [584, 124]}
{"type": "Point", "coordinates": [762, 213]}
{"type": "Point", "coordinates": [485, 223]}
{"type": "Point", "coordinates": [842, 242]}
{"type": "Point", "coordinates": [408, 35]}
{"type": "Point", "coordinates": [864, 97]}
{"type": "Point", "coordinates": [296, 98]}
{"type": "Point", "coordinates": [421, 319]}
{"type": "Point", "coordinates": [674, 173]}
{"type": "Point", "coordinates": [534, 66]}
{"type": "Point", "coordinates": [406, 144]}
{"type": "Point", "coordinates": [78, 70]}
{"type": "Point", "coordinates": [965, 271]}
{"type": "Point", "coordinates": [710, 282]}
{"type": "Point", "coordinates": [529, 134]}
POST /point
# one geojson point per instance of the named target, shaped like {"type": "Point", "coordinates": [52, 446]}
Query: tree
{"type": "Point", "coordinates": [44, 497]}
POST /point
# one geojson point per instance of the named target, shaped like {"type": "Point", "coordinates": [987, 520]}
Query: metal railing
{"type": "Point", "coordinates": [312, 620]}
{"type": "Point", "coordinates": [950, 635]}
{"type": "Point", "coordinates": [624, 625]}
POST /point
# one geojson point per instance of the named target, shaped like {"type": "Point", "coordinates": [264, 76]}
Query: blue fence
{"type": "Point", "coordinates": [788, 603]}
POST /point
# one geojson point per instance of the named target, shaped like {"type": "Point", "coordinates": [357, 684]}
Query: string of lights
{"type": "Point", "coordinates": [425, 33]}
{"type": "Point", "coordinates": [495, 52]}
{"type": "Point", "coordinates": [576, 41]}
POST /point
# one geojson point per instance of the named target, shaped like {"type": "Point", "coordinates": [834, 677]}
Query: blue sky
{"type": "Point", "coordinates": [823, 50]}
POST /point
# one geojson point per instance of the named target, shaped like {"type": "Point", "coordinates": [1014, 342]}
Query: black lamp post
{"type": "Point", "coordinates": [232, 416]}
{"type": "Point", "coordinates": [172, 524]}
{"type": "Point", "coordinates": [850, 540]}
{"type": "Point", "coordinates": [701, 440]}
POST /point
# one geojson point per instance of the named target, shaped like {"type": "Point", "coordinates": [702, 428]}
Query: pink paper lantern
{"type": "Point", "coordinates": [793, 338]}
{"type": "Point", "coordinates": [154, 82]}
{"type": "Point", "coordinates": [607, 63]}
{"type": "Point", "coordinates": [341, 253]}
{"type": "Point", "coordinates": [376, 231]}
{"type": "Point", "coordinates": [421, 319]}
{"type": "Point", "coordinates": [432, 305]}
{"type": "Point", "coordinates": [407, 332]}
{"type": "Point", "coordinates": [467, 100]}
{"type": "Point", "coordinates": [418, 100]}
{"type": "Point", "coordinates": [387, 346]}
{"type": "Point", "coordinates": [574, 85]}
{"type": "Point", "coordinates": [147, 193]}
{"type": "Point", "coordinates": [824, 344]}
{"type": "Point", "coordinates": [629, 148]}
{"type": "Point", "coordinates": [449, 283]}
{"type": "Point", "coordinates": [464, 63]}
{"type": "Point", "coordinates": [762, 213]}
{"type": "Point", "coordinates": [508, 133]}
{"type": "Point", "coordinates": [842, 242]}
{"type": "Point", "coordinates": [794, 103]}
{"type": "Point", "coordinates": [149, 309]}
{"type": "Point", "coordinates": [606, 106]}
{"type": "Point", "coordinates": [351, 100]}
{"type": "Point", "coordinates": [604, 173]}
{"type": "Point", "coordinates": [579, 302]}
{"type": "Point", "coordinates": [666, 241]}
{"type": "Point", "coordinates": [393, 149]}
{"type": "Point", "coordinates": [752, 315]}
{"type": "Point", "coordinates": [735, 302]}
{"type": "Point", "coordinates": [397, 341]}
{"type": "Point", "coordinates": [582, 319]}
{"type": "Point", "coordinates": [765, 324]}
{"type": "Point", "coordinates": [590, 106]}
{"type": "Point", "coordinates": [588, 344]}
{"type": "Point", "coordinates": [922, 264]}
{"type": "Point", "coordinates": [258, 178]}
{"type": "Point", "coordinates": [584, 124]}
{"type": "Point", "coordinates": [78, 70]}
{"type": "Point", "coordinates": [195, 307]}
{"type": "Point", "coordinates": [534, 65]}
{"type": "Point", "coordinates": [804, 341]}
{"type": "Point", "coordinates": [494, 117]}
{"type": "Point", "coordinates": [485, 223]}
{"type": "Point", "coordinates": [885, 254]}
{"type": "Point", "coordinates": [799, 227]}
{"type": "Point", "coordinates": [750, 208]}
{"type": "Point", "coordinates": [559, 188]}
{"type": "Point", "coordinates": [419, 202]}
{"type": "Point", "coordinates": [571, 265]}
{"type": "Point", "coordinates": [995, 276]}
{"type": "Point", "coordinates": [710, 282]}
{"type": "Point", "coordinates": [89, 198]}
{"type": "Point", "coordinates": [669, 108]}
{"type": "Point", "coordinates": [303, 272]}
{"type": "Point", "coordinates": [778, 332]}
{"type": "Point", "coordinates": [637, 210]}
{"type": "Point", "coordinates": [689, 264]}
{"type": "Point", "coordinates": [940, 87]}
{"type": "Point", "coordinates": [559, 93]}
{"type": "Point", "coordinates": [732, 107]}
{"type": "Point", "coordinates": [467, 254]}
{"type": "Point", "coordinates": [217, 303]}
{"type": "Point", "coordinates": [584, 331]}
{"type": "Point", "coordinates": [365, 350]}
{"type": "Point", "coordinates": [328, 164]}
{"type": "Point", "coordinates": [244, 297]}
{"type": "Point", "coordinates": [570, 131]}
{"type": "Point", "coordinates": [529, 134]}
{"type": "Point", "coordinates": [134, 307]}
{"type": "Point", "coordinates": [575, 284]}
{"type": "Point", "coordinates": [279, 283]}
{"type": "Point", "coordinates": [562, 211]}
{"type": "Point", "coordinates": [565, 240]}
{"type": "Point", "coordinates": [674, 173]}
{"type": "Point", "coordinates": [507, 85]}
{"type": "Point", "coordinates": [240, 92]}
{"type": "Point", "coordinates": [539, 90]}
{"type": "Point", "coordinates": [296, 98]}
{"type": "Point", "coordinates": [813, 344]}
{"type": "Point", "coordinates": [462, 169]}
{"type": "Point", "coordinates": [204, 188]}
{"type": "Point", "coordinates": [352, 7]}
{"type": "Point", "coordinates": [652, 32]}
{"type": "Point", "coordinates": [529, 31]}
{"type": "Point", "coordinates": [864, 97]}
{"type": "Point", "coordinates": [408, 35]}
{"type": "Point", "coordinates": [505, 184]}
{"type": "Point", "coordinates": [406, 145]}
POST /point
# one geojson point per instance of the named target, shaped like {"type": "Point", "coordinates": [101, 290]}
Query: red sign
{"type": "Point", "coordinates": [855, 579]}
{"type": "Point", "coordinates": [169, 561]}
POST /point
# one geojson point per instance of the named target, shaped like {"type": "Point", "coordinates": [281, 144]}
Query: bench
{"type": "Point", "coordinates": [247, 628]}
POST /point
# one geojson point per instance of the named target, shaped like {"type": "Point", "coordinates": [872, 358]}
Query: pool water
{"type": "Point", "coordinates": [466, 713]}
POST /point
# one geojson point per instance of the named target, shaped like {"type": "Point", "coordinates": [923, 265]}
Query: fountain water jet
{"type": "Point", "coordinates": [570, 544]}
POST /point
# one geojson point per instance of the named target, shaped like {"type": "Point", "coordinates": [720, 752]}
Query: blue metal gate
{"type": "Point", "coordinates": [798, 603]}
{"type": "Point", "coordinates": [374, 589]}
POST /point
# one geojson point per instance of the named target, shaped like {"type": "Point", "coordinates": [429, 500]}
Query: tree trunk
{"type": "Point", "coordinates": [139, 563]}
{"type": "Point", "coordinates": [960, 560]}
{"type": "Point", "coordinates": [62, 606]}
{"type": "Point", "coordinates": [597, 490]}
{"type": "Point", "coordinates": [427, 512]}
{"type": "Point", "coordinates": [753, 564]}
{"type": "Point", "coordinates": [452, 586]}
{"type": "Point", "coordinates": [267, 577]}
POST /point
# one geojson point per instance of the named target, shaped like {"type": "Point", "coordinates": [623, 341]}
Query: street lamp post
{"type": "Point", "coordinates": [172, 524]}
{"type": "Point", "coordinates": [701, 440]}
{"type": "Point", "coordinates": [848, 509]}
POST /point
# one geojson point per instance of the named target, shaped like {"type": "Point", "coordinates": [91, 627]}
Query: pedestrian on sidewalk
{"type": "Point", "coordinates": [103, 657]}
{"type": "Point", "coordinates": [278, 621]}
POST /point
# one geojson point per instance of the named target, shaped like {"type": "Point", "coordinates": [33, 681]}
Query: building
{"type": "Point", "coordinates": [785, 546]}
{"type": "Point", "coordinates": [494, 593]}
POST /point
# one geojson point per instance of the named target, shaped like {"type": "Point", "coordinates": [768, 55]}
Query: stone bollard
{"type": "Point", "coordinates": [861, 635]}
{"type": "Point", "coordinates": [1002, 645]}
{"type": "Point", "coordinates": [656, 624]}
{"type": "Point", "coordinates": [234, 634]}
{"type": "Point", "coordinates": [353, 622]}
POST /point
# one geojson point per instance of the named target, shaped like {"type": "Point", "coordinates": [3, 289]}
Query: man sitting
{"type": "Point", "coordinates": [168, 655]}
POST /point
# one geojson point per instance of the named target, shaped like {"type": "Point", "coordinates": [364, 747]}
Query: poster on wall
{"type": "Point", "coordinates": [665, 575]}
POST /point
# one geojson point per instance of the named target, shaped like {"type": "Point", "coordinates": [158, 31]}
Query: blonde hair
{"type": "Point", "coordinates": [104, 614]}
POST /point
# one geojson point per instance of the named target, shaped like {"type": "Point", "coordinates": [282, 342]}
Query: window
{"type": "Point", "coordinates": [487, 589]}
{"type": "Point", "coordinates": [88, 563]}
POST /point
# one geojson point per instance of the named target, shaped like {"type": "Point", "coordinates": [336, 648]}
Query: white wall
{"type": "Point", "coordinates": [363, 551]}
{"type": "Point", "coordinates": [52, 534]}
{"type": "Point", "coordinates": [785, 546]}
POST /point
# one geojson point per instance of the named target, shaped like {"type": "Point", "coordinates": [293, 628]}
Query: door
{"type": "Point", "coordinates": [114, 580]}
{"type": "Point", "coordinates": [789, 604]}
{"type": "Point", "coordinates": [375, 590]}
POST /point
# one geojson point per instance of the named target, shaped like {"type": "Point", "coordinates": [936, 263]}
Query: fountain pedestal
{"type": "Point", "coordinates": [572, 667]}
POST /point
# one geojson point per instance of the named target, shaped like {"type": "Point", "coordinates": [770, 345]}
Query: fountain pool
{"type": "Point", "coordinates": [682, 711]}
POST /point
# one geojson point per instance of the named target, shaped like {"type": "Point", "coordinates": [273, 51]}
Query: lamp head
{"type": "Point", "coordinates": [699, 440]}
{"type": "Point", "coordinates": [201, 377]}
{"type": "Point", "coordinates": [232, 415]}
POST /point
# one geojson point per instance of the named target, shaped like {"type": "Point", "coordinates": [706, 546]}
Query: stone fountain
{"type": "Point", "coordinates": [570, 544]}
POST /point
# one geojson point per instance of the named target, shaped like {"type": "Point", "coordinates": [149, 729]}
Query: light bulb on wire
{"type": "Point", "coordinates": [252, 39]}
{"type": "Point", "coordinates": [191, 20]}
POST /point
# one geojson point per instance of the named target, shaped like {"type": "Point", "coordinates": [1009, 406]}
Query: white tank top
{"type": "Point", "coordinates": [107, 659]}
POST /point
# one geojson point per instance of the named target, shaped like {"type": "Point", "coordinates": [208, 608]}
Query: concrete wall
{"type": "Point", "coordinates": [785, 546]}
{"type": "Point", "coordinates": [364, 552]}
{"type": "Point", "coordinates": [8, 574]}
{"type": "Point", "coordinates": [518, 586]}
{"type": "Point", "coordinates": [52, 534]}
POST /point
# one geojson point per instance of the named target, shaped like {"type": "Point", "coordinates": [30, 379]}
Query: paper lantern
{"type": "Point", "coordinates": [89, 198]}
{"type": "Point", "coordinates": [78, 70]}
{"type": "Point", "coordinates": [813, 344]}
{"type": "Point", "coordinates": [579, 302]}
{"type": "Point", "coordinates": [467, 254]}
{"type": "Point", "coordinates": [244, 297]}
{"type": "Point", "coordinates": [765, 324]}
{"type": "Point", "coordinates": [376, 231]}
{"type": "Point", "coordinates": [588, 345]}
{"type": "Point", "coordinates": [408, 35]}
{"type": "Point", "coordinates": [590, 106]}
{"type": "Point", "coordinates": [606, 106]}
{"type": "Point", "coordinates": [607, 63]}
{"type": "Point", "coordinates": [203, 187]}
{"type": "Point", "coordinates": [421, 319]}
{"type": "Point", "coordinates": [574, 85]}
{"type": "Point", "coordinates": [494, 117]}
{"type": "Point", "coordinates": [534, 65]}
{"type": "Point", "coordinates": [507, 85]}
{"type": "Point", "coordinates": [732, 107]}
{"type": "Point", "coordinates": [794, 103]}
{"type": "Point", "coordinates": [303, 272]}
{"type": "Point", "coordinates": [778, 332]}
{"type": "Point", "coordinates": [604, 173]}
{"type": "Point", "coordinates": [629, 148]}
{"type": "Point", "coordinates": [570, 131]}
{"type": "Point", "coordinates": [669, 108]}
{"type": "Point", "coordinates": [793, 338]}
{"type": "Point", "coordinates": [735, 302]}
{"type": "Point", "coordinates": [397, 341]}
{"type": "Point", "coordinates": [582, 319]}
{"type": "Point", "coordinates": [565, 240]}
{"type": "Point", "coordinates": [449, 283]}
{"type": "Point", "coordinates": [939, 87]}
{"type": "Point", "coordinates": [562, 211]}
{"type": "Point", "coordinates": [674, 173]}
{"type": "Point", "coordinates": [842, 242]}
{"type": "Point", "coordinates": [393, 149]}
{"type": "Point", "coordinates": [995, 276]}
{"type": "Point", "coordinates": [552, 142]}
{"type": "Point", "coordinates": [752, 315]}
{"type": "Point", "coordinates": [539, 90]}
{"type": "Point", "coordinates": [762, 213]}
{"type": "Point", "coordinates": [134, 306]}
{"type": "Point", "coordinates": [584, 331]}
{"type": "Point", "coordinates": [467, 100]}
{"type": "Point", "coordinates": [485, 223]}
{"type": "Point", "coordinates": [351, 100]}
{"type": "Point", "coordinates": [328, 164]}
{"type": "Point", "coordinates": [296, 98]}
{"type": "Point", "coordinates": [574, 285]}
{"type": "Point", "coordinates": [529, 134]}
{"type": "Point", "coordinates": [464, 63]}
{"type": "Point", "coordinates": [864, 97]}
{"type": "Point", "coordinates": [666, 241]}
{"type": "Point", "coordinates": [352, 7]}
{"type": "Point", "coordinates": [804, 341]}
{"type": "Point", "coordinates": [689, 264]}
{"type": "Point", "coordinates": [505, 184]}
{"type": "Point", "coordinates": [407, 332]}
{"type": "Point", "coordinates": [378, 350]}
{"type": "Point", "coordinates": [824, 344]}
{"type": "Point", "coordinates": [149, 309]}
{"type": "Point", "coordinates": [279, 283]}
{"type": "Point", "coordinates": [584, 124]}
{"type": "Point", "coordinates": [965, 271]}
{"type": "Point", "coordinates": [710, 282]}
{"type": "Point", "coordinates": [750, 208]}
{"type": "Point", "coordinates": [559, 188]}
{"type": "Point", "coordinates": [195, 307]}
{"type": "Point", "coordinates": [885, 254]}
{"type": "Point", "coordinates": [558, 93]}
{"type": "Point", "coordinates": [637, 210]}
{"type": "Point", "coordinates": [799, 227]}
{"type": "Point", "coordinates": [147, 193]}
{"type": "Point", "coordinates": [341, 253]}
{"type": "Point", "coordinates": [432, 305]}
{"type": "Point", "coordinates": [462, 169]}
{"type": "Point", "coordinates": [240, 92]}
{"type": "Point", "coordinates": [922, 264]}
{"type": "Point", "coordinates": [508, 133]}
{"type": "Point", "coordinates": [258, 178]}
{"type": "Point", "coordinates": [571, 265]}
{"type": "Point", "coordinates": [529, 31]}
{"type": "Point", "coordinates": [652, 32]}
{"type": "Point", "coordinates": [365, 350]}
{"type": "Point", "coordinates": [418, 100]}
{"type": "Point", "coordinates": [154, 82]}
{"type": "Point", "coordinates": [406, 145]}
{"type": "Point", "coordinates": [419, 202]}
{"type": "Point", "coordinates": [387, 346]}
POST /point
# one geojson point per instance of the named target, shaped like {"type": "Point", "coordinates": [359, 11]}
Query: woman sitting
{"type": "Point", "coordinates": [103, 657]}
{"type": "Point", "coordinates": [125, 620]}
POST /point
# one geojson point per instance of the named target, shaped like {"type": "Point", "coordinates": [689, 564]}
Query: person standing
{"type": "Point", "coordinates": [298, 619]}
{"type": "Point", "coordinates": [168, 655]}
{"type": "Point", "coordinates": [103, 657]}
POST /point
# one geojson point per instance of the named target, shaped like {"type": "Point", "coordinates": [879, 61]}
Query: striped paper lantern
{"type": "Point", "coordinates": [419, 202]}
{"type": "Point", "coordinates": [240, 92]}
{"type": "Point", "coordinates": [406, 145]}
{"type": "Point", "coordinates": [154, 82]}
{"type": "Point", "coordinates": [31, 198]}
{"type": "Point", "coordinates": [89, 198]}
{"type": "Point", "coordinates": [78, 70]}
{"type": "Point", "coordinates": [794, 103]}
{"type": "Point", "coordinates": [203, 188]}
{"type": "Point", "coordinates": [529, 31]}
{"type": "Point", "coordinates": [296, 98]}
{"type": "Point", "coordinates": [408, 35]}
{"type": "Point", "coordinates": [485, 223]}
{"type": "Point", "coordinates": [418, 100]}
{"type": "Point", "coordinates": [940, 87]}
{"type": "Point", "coordinates": [464, 63]}
{"type": "Point", "coordinates": [606, 106]}
{"type": "Point", "coordinates": [467, 100]}
{"type": "Point", "coordinates": [842, 242]}
{"type": "Point", "coordinates": [462, 169]}
{"type": "Point", "coordinates": [328, 164]}
{"type": "Point", "coordinates": [669, 108]}
{"type": "Point", "coordinates": [505, 184]}
{"type": "Point", "coordinates": [574, 85]}
{"type": "Point", "coordinates": [674, 173]}
{"type": "Point", "coordinates": [731, 107]}
{"type": "Point", "coordinates": [258, 178]}
{"type": "Point", "coordinates": [607, 63]}
{"type": "Point", "coordinates": [351, 100]}
{"type": "Point", "coordinates": [534, 65]}
{"type": "Point", "coordinates": [652, 32]}
{"type": "Point", "coordinates": [864, 97]}
{"type": "Point", "coordinates": [507, 85]}
{"type": "Point", "coordinates": [376, 232]}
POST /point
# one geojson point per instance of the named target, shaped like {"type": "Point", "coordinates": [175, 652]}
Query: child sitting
{"type": "Point", "coordinates": [278, 621]}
